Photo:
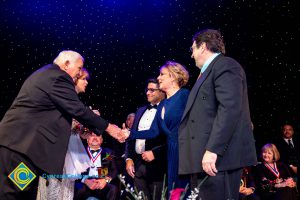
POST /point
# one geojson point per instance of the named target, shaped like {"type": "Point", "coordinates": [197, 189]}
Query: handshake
{"type": "Point", "coordinates": [119, 134]}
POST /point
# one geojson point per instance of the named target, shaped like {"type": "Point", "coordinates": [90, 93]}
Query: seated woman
{"type": "Point", "coordinates": [274, 179]}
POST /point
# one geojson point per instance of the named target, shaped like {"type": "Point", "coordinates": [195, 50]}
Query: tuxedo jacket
{"type": "Point", "coordinates": [217, 118]}
{"type": "Point", "coordinates": [158, 167]}
{"type": "Point", "coordinates": [38, 124]}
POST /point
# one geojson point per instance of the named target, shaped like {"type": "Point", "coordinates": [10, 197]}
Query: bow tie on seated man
{"type": "Point", "coordinates": [94, 151]}
{"type": "Point", "coordinates": [150, 106]}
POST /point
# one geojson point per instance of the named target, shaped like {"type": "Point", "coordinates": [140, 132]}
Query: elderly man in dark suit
{"type": "Point", "coordinates": [215, 136]}
{"type": "Point", "coordinates": [146, 160]}
{"type": "Point", "coordinates": [36, 128]}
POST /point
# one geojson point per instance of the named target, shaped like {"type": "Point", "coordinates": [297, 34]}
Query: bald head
{"type": "Point", "coordinates": [70, 62]}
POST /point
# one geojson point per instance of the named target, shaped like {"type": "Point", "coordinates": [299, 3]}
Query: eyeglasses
{"type": "Point", "coordinates": [151, 90]}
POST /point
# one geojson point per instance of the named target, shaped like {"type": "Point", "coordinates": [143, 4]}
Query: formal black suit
{"type": "Point", "coordinates": [289, 156]}
{"type": "Point", "coordinates": [156, 169]}
{"type": "Point", "coordinates": [217, 119]}
{"type": "Point", "coordinates": [37, 126]}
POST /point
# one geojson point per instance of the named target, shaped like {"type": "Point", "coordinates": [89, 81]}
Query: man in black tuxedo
{"type": "Point", "coordinates": [146, 160]}
{"type": "Point", "coordinates": [102, 165]}
{"type": "Point", "coordinates": [289, 147]}
{"type": "Point", "coordinates": [36, 128]}
{"type": "Point", "coordinates": [215, 134]}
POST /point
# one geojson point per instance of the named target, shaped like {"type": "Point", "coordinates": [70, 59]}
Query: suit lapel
{"type": "Point", "coordinates": [138, 117]}
{"type": "Point", "coordinates": [196, 87]}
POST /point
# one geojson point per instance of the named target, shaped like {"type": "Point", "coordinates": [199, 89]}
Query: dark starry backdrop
{"type": "Point", "coordinates": [125, 41]}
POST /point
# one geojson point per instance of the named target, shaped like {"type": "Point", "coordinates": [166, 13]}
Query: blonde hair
{"type": "Point", "coordinates": [178, 71]}
{"type": "Point", "coordinates": [67, 55]}
{"type": "Point", "coordinates": [83, 74]}
{"type": "Point", "coordinates": [273, 148]}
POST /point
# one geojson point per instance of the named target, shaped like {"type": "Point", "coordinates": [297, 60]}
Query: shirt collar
{"type": "Point", "coordinates": [208, 61]}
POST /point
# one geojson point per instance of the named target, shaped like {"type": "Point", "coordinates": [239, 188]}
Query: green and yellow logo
{"type": "Point", "coordinates": [22, 176]}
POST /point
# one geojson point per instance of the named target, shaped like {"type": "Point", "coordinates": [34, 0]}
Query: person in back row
{"type": "Point", "coordinates": [289, 147]}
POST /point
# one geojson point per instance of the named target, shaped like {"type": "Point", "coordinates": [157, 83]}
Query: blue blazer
{"type": "Point", "coordinates": [157, 168]}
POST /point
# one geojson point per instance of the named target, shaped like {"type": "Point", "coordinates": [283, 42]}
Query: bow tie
{"type": "Point", "coordinates": [93, 151]}
{"type": "Point", "coordinates": [151, 106]}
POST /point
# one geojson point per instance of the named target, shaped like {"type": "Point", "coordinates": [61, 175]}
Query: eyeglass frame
{"type": "Point", "coordinates": [151, 90]}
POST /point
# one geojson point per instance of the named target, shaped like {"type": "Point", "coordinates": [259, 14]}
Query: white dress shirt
{"type": "Point", "coordinates": [144, 124]}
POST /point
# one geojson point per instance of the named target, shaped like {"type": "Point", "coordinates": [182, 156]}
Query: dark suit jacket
{"type": "Point", "coordinates": [158, 167]}
{"type": "Point", "coordinates": [38, 124]}
{"type": "Point", "coordinates": [217, 118]}
{"type": "Point", "coordinates": [287, 155]}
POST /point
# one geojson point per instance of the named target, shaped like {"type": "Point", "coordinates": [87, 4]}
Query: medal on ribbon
{"type": "Point", "coordinates": [273, 170]}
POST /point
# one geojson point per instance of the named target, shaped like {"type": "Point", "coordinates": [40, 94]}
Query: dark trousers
{"type": "Point", "coordinates": [109, 192]}
{"type": "Point", "coordinates": [224, 186]}
{"type": "Point", "coordinates": [9, 160]}
{"type": "Point", "coordinates": [152, 189]}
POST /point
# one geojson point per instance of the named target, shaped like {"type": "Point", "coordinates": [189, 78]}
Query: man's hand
{"type": "Point", "coordinates": [246, 191]}
{"type": "Point", "coordinates": [209, 163]}
{"type": "Point", "coordinates": [242, 189]}
{"type": "Point", "coordinates": [91, 183]}
{"type": "Point", "coordinates": [148, 156]}
{"type": "Point", "coordinates": [130, 167]}
{"type": "Point", "coordinates": [101, 183]}
{"type": "Point", "coordinates": [114, 131]}
{"type": "Point", "coordinates": [124, 134]}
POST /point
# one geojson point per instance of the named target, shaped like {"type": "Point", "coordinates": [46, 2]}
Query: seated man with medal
{"type": "Point", "coordinates": [274, 178]}
{"type": "Point", "coordinates": [95, 181]}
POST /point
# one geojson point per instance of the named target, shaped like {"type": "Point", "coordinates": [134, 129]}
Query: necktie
{"type": "Point", "coordinates": [149, 107]}
{"type": "Point", "coordinates": [290, 143]}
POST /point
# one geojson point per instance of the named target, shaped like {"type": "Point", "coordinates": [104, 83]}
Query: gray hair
{"type": "Point", "coordinates": [130, 115]}
{"type": "Point", "coordinates": [67, 55]}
